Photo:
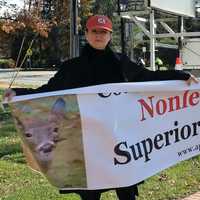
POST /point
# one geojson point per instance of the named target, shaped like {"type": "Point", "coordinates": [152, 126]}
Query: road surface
{"type": "Point", "coordinates": [29, 78]}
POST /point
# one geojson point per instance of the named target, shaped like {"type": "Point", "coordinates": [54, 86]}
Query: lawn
{"type": "Point", "coordinates": [18, 182]}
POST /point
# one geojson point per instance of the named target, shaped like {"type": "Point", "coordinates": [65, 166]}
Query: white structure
{"type": "Point", "coordinates": [191, 53]}
{"type": "Point", "coordinates": [178, 7]}
{"type": "Point", "coordinates": [182, 8]}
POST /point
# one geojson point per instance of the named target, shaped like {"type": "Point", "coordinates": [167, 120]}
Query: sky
{"type": "Point", "coordinates": [7, 7]}
{"type": "Point", "coordinates": [18, 2]}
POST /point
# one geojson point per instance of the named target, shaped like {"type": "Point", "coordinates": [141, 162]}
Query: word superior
{"type": "Point", "coordinates": [126, 153]}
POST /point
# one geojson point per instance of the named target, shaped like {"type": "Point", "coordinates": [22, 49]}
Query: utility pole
{"type": "Point", "coordinates": [122, 26]}
{"type": "Point", "coordinates": [152, 41]}
{"type": "Point", "coordinates": [180, 30]}
{"type": "Point", "coordinates": [74, 40]}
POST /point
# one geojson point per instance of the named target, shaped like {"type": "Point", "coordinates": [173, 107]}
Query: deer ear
{"type": "Point", "coordinates": [59, 107]}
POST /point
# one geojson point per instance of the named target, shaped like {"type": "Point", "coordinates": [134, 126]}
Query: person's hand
{"type": "Point", "coordinates": [8, 94]}
{"type": "Point", "coordinates": [192, 79]}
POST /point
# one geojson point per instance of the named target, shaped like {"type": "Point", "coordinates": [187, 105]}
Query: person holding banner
{"type": "Point", "coordinates": [99, 64]}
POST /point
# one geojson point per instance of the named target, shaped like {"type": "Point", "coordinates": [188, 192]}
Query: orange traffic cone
{"type": "Point", "coordinates": [179, 64]}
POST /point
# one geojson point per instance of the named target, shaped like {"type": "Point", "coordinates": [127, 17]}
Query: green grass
{"type": "Point", "coordinates": [18, 182]}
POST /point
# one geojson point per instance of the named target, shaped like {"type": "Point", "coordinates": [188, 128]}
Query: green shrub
{"type": "Point", "coordinates": [7, 63]}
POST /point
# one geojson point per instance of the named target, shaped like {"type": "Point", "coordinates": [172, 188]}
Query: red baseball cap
{"type": "Point", "coordinates": [99, 21]}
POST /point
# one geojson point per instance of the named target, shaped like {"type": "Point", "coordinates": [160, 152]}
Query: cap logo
{"type": "Point", "coordinates": [101, 20]}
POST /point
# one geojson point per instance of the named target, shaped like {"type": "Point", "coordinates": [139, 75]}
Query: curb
{"type": "Point", "coordinates": [22, 69]}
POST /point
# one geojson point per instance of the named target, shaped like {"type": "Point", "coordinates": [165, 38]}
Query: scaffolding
{"type": "Point", "coordinates": [129, 10]}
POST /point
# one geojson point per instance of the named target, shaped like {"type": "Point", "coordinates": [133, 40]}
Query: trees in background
{"type": "Point", "coordinates": [27, 24]}
{"type": "Point", "coordinates": [47, 22]}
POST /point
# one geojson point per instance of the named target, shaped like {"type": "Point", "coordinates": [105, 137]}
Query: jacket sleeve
{"type": "Point", "coordinates": [138, 73]}
{"type": "Point", "coordinates": [58, 82]}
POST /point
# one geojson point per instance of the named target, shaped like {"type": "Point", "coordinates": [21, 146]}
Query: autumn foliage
{"type": "Point", "coordinates": [47, 22]}
{"type": "Point", "coordinates": [32, 16]}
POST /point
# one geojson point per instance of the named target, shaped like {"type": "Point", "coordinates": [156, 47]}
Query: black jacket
{"type": "Point", "coordinates": [96, 67]}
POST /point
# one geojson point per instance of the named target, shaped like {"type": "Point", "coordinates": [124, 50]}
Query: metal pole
{"type": "Point", "coordinates": [76, 52]}
{"type": "Point", "coordinates": [132, 41]}
{"type": "Point", "coordinates": [118, 7]}
{"type": "Point", "coordinates": [176, 35]}
{"type": "Point", "coordinates": [122, 35]}
{"type": "Point", "coordinates": [74, 44]}
{"type": "Point", "coordinates": [71, 29]}
{"type": "Point", "coordinates": [152, 41]}
{"type": "Point", "coordinates": [180, 29]}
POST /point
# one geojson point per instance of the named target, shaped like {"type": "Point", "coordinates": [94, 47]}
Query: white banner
{"type": "Point", "coordinates": [127, 132]}
{"type": "Point", "coordinates": [178, 7]}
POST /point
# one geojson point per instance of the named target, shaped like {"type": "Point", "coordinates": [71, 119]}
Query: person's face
{"type": "Point", "coordinates": [98, 38]}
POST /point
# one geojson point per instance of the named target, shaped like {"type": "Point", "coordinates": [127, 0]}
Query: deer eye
{"type": "Point", "coordinates": [28, 135]}
{"type": "Point", "coordinates": [55, 130]}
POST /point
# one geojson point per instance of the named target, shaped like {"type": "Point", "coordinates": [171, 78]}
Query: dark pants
{"type": "Point", "coordinates": [90, 195]}
{"type": "Point", "coordinates": [125, 194]}
{"type": "Point", "coordinates": [122, 194]}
